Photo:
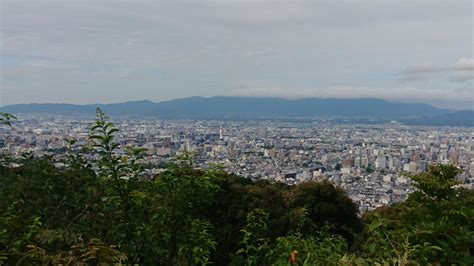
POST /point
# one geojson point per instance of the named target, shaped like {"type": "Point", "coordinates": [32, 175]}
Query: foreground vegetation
{"type": "Point", "coordinates": [104, 211]}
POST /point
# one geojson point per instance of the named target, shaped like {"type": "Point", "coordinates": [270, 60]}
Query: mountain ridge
{"type": "Point", "coordinates": [227, 107]}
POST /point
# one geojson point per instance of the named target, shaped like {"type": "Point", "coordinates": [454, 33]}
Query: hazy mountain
{"type": "Point", "coordinates": [244, 107]}
{"type": "Point", "coordinates": [458, 118]}
{"type": "Point", "coordinates": [126, 108]}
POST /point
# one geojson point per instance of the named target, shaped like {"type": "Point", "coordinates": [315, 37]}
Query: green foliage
{"type": "Point", "coordinates": [435, 225]}
{"type": "Point", "coordinates": [182, 196]}
{"type": "Point", "coordinates": [387, 246]}
{"type": "Point", "coordinates": [369, 170]}
{"type": "Point", "coordinates": [438, 183]}
{"type": "Point", "coordinates": [321, 249]}
{"type": "Point", "coordinates": [199, 245]}
{"type": "Point", "coordinates": [305, 208]}
{"type": "Point", "coordinates": [326, 204]}
{"type": "Point", "coordinates": [6, 118]}
{"type": "Point", "coordinates": [254, 243]}
{"type": "Point", "coordinates": [77, 216]}
{"type": "Point", "coordinates": [102, 138]}
{"type": "Point", "coordinates": [93, 252]}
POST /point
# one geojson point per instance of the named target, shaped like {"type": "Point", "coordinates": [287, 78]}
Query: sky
{"type": "Point", "coordinates": [104, 51]}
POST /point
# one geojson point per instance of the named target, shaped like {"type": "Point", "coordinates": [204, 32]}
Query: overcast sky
{"type": "Point", "coordinates": [113, 51]}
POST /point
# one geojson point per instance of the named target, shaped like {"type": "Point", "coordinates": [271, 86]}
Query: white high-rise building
{"type": "Point", "coordinates": [381, 162]}
{"type": "Point", "coordinates": [357, 162]}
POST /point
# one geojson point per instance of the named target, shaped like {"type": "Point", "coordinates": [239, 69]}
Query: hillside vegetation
{"type": "Point", "coordinates": [104, 211]}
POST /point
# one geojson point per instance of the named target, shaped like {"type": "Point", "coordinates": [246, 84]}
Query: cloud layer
{"type": "Point", "coordinates": [461, 71]}
{"type": "Point", "coordinates": [447, 98]}
{"type": "Point", "coordinates": [107, 51]}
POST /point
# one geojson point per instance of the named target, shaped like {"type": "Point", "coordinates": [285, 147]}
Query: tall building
{"type": "Point", "coordinates": [381, 162]}
{"type": "Point", "coordinates": [357, 162]}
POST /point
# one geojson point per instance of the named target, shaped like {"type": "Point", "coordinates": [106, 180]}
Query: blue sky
{"type": "Point", "coordinates": [111, 51]}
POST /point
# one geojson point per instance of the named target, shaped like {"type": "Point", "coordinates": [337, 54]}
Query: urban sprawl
{"type": "Point", "coordinates": [370, 162]}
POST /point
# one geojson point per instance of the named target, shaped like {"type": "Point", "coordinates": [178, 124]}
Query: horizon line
{"type": "Point", "coordinates": [234, 96]}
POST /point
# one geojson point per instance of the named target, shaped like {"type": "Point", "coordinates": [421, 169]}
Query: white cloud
{"type": "Point", "coordinates": [461, 71]}
{"type": "Point", "coordinates": [463, 76]}
{"type": "Point", "coordinates": [406, 94]}
{"type": "Point", "coordinates": [464, 64]}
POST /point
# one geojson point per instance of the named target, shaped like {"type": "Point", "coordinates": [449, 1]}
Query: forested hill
{"type": "Point", "coordinates": [244, 108]}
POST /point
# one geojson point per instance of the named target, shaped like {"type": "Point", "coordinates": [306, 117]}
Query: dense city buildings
{"type": "Point", "coordinates": [371, 162]}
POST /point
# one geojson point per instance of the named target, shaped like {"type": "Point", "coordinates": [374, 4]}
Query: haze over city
{"type": "Point", "coordinates": [114, 51]}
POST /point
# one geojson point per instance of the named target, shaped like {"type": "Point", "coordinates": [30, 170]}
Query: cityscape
{"type": "Point", "coordinates": [253, 133]}
{"type": "Point", "coordinates": [370, 162]}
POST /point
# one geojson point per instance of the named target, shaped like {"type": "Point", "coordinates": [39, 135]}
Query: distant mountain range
{"type": "Point", "coordinates": [261, 108]}
{"type": "Point", "coordinates": [458, 118]}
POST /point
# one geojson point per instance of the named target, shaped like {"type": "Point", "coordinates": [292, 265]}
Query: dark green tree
{"type": "Point", "coordinates": [435, 225]}
{"type": "Point", "coordinates": [6, 118]}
